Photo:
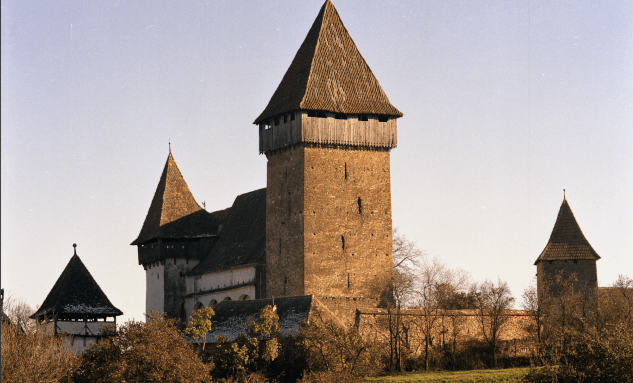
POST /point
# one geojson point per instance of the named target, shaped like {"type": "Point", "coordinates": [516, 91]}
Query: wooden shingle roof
{"type": "Point", "coordinates": [174, 213]}
{"type": "Point", "coordinates": [76, 294]}
{"type": "Point", "coordinates": [328, 73]}
{"type": "Point", "coordinates": [567, 241]}
{"type": "Point", "coordinates": [243, 238]}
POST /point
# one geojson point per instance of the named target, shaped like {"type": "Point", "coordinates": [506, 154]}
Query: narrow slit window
{"type": "Point", "coordinates": [343, 242]}
{"type": "Point", "coordinates": [276, 121]}
{"type": "Point", "coordinates": [360, 206]}
{"type": "Point", "coordinates": [346, 170]}
{"type": "Point", "coordinates": [362, 117]}
{"type": "Point", "coordinates": [280, 246]}
{"type": "Point", "coordinates": [285, 118]}
{"type": "Point", "coordinates": [348, 281]}
{"type": "Point", "coordinates": [383, 118]}
{"type": "Point", "coordinates": [292, 116]}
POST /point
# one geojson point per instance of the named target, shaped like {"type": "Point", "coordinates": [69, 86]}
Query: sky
{"type": "Point", "coordinates": [506, 103]}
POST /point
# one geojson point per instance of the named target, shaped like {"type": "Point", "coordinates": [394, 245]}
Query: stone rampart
{"type": "Point", "coordinates": [459, 326]}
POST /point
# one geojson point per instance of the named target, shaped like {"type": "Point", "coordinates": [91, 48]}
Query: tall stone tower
{"type": "Point", "coordinates": [175, 236]}
{"type": "Point", "coordinates": [567, 265]}
{"type": "Point", "coordinates": [327, 132]}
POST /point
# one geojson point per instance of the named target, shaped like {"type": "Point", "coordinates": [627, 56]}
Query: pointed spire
{"type": "Point", "coordinates": [172, 201]}
{"type": "Point", "coordinates": [329, 73]}
{"type": "Point", "coordinates": [76, 294]}
{"type": "Point", "coordinates": [75, 248]}
{"type": "Point", "coordinates": [567, 242]}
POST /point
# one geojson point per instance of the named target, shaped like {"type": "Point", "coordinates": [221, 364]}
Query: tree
{"type": "Point", "coordinates": [253, 350]}
{"type": "Point", "coordinates": [534, 308]}
{"type": "Point", "coordinates": [151, 351]}
{"type": "Point", "coordinates": [616, 303]}
{"type": "Point", "coordinates": [199, 325]}
{"type": "Point", "coordinates": [491, 303]}
{"type": "Point", "coordinates": [397, 292]}
{"type": "Point", "coordinates": [337, 349]}
{"type": "Point", "coordinates": [563, 305]}
{"type": "Point", "coordinates": [29, 352]}
{"type": "Point", "coordinates": [435, 283]}
{"type": "Point", "coordinates": [406, 255]}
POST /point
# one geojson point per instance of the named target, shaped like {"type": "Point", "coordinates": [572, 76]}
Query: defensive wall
{"type": "Point", "coordinates": [459, 326]}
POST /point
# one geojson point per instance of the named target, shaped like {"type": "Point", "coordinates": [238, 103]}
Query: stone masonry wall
{"type": "Point", "coordinates": [344, 309]}
{"type": "Point", "coordinates": [514, 338]}
{"type": "Point", "coordinates": [284, 223]}
{"type": "Point", "coordinates": [175, 287]}
{"type": "Point", "coordinates": [328, 222]}
{"type": "Point", "coordinates": [347, 221]}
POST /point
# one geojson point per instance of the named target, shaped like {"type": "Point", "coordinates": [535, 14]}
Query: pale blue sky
{"type": "Point", "coordinates": [505, 104]}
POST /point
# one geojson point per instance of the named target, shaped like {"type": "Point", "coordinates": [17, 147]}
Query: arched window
{"type": "Point", "coordinates": [213, 303]}
{"type": "Point", "coordinates": [244, 297]}
{"type": "Point", "coordinates": [227, 299]}
{"type": "Point", "coordinates": [198, 306]}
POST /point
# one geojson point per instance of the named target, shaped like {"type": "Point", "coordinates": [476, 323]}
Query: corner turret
{"type": "Point", "coordinates": [567, 265]}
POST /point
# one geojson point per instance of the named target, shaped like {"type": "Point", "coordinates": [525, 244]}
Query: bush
{"type": "Point", "coordinates": [338, 350]}
{"type": "Point", "coordinates": [154, 351]}
{"type": "Point", "coordinates": [591, 357]}
{"type": "Point", "coordinates": [251, 352]}
{"type": "Point", "coordinates": [606, 358]}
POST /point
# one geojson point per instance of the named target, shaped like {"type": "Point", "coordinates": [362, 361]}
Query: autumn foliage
{"type": "Point", "coordinates": [151, 351]}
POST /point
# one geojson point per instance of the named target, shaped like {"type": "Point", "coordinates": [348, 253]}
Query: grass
{"type": "Point", "coordinates": [492, 376]}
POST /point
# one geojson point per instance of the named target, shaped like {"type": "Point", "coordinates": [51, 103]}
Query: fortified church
{"type": "Point", "coordinates": [322, 226]}
{"type": "Point", "coordinates": [318, 237]}
{"type": "Point", "coordinates": [320, 232]}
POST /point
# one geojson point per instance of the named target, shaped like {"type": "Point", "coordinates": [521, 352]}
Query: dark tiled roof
{"type": "Point", "coordinates": [174, 213]}
{"type": "Point", "coordinates": [242, 240]}
{"type": "Point", "coordinates": [231, 316]}
{"type": "Point", "coordinates": [76, 294]}
{"type": "Point", "coordinates": [328, 73]}
{"type": "Point", "coordinates": [567, 241]}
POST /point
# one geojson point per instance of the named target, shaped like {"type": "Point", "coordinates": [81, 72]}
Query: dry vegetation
{"type": "Point", "coordinates": [29, 354]}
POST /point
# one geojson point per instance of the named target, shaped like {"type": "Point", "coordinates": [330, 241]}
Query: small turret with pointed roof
{"type": "Point", "coordinates": [76, 295]}
{"type": "Point", "coordinates": [567, 242]}
{"type": "Point", "coordinates": [567, 265]}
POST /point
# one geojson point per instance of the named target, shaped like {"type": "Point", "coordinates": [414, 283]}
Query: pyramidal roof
{"type": "Point", "coordinates": [567, 241]}
{"type": "Point", "coordinates": [174, 213]}
{"type": "Point", "coordinates": [328, 73]}
{"type": "Point", "coordinates": [76, 294]}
